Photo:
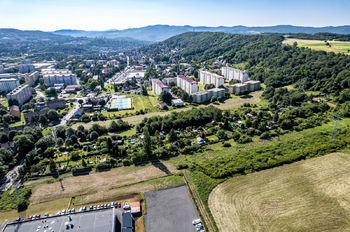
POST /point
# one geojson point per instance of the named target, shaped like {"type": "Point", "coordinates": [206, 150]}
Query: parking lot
{"type": "Point", "coordinates": [170, 210]}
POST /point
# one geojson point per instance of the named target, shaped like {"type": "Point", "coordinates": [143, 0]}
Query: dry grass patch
{"type": "Point", "coordinates": [96, 183]}
{"type": "Point", "coordinates": [310, 195]}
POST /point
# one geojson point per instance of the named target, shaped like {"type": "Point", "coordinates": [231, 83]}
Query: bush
{"type": "Point", "coordinates": [22, 204]}
{"type": "Point", "coordinates": [126, 162]}
{"type": "Point", "coordinates": [227, 144]}
{"type": "Point", "coordinates": [180, 166]}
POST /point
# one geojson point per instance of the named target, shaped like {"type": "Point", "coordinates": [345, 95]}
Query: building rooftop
{"type": "Point", "coordinates": [190, 80]}
{"type": "Point", "coordinates": [18, 88]}
{"type": "Point", "coordinates": [101, 220]}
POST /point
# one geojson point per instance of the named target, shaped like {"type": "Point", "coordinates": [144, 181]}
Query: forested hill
{"type": "Point", "coordinates": [265, 58]}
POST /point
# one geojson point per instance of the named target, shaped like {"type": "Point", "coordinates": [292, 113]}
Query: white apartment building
{"type": "Point", "coordinates": [158, 87]}
{"type": "Point", "coordinates": [58, 76]}
{"type": "Point", "coordinates": [232, 73]}
{"type": "Point", "coordinates": [32, 77]}
{"type": "Point", "coordinates": [211, 78]}
{"type": "Point", "coordinates": [187, 84]}
{"type": "Point", "coordinates": [25, 68]}
{"type": "Point", "coordinates": [9, 84]}
{"type": "Point", "coordinates": [22, 94]}
{"type": "Point", "coordinates": [1, 68]}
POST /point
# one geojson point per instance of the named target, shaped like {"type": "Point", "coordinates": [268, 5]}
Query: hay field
{"type": "Point", "coordinates": [336, 46]}
{"type": "Point", "coordinates": [310, 195]}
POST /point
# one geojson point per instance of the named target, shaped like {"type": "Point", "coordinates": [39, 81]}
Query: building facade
{"type": "Point", "coordinates": [187, 84]}
{"type": "Point", "coordinates": [7, 85]}
{"type": "Point", "coordinates": [1, 68]}
{"type": "Point", "coordinates": [158, 87]}
{"type": "Point", "coordinates": [22, 94]}
{"type": "Point", "coordinates": [62, 76]}
{"type": "Point", "coordinates": [253, 85]}
{"type": "Point", "coordinates": [201, 97]}
{"type": "Point", "coordinates": [32, 77]}
{"type": "Point", "coordinates": [232, 73]}
{"type": "Point", "coordinates": [211, 78]}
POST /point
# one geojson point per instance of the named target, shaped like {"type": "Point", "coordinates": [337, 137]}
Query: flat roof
{"type": "Point", "coordinates": [99, 220]}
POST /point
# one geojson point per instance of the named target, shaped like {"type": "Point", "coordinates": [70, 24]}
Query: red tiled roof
{"type": "Point", "coordinates": [190, 80]}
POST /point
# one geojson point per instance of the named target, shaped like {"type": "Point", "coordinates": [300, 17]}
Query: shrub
{"type": "Point", "coordinates": [227, 144]}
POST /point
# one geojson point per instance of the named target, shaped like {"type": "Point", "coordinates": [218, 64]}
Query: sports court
{"type": "Point", "coordinates": [120, 104]}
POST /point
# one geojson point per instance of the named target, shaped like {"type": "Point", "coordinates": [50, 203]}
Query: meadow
{"type": "Point", "coordinates": [335, 46]}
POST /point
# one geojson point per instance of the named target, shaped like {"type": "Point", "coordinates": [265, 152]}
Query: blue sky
{"type": "Point", "coordinates": [117, 14]}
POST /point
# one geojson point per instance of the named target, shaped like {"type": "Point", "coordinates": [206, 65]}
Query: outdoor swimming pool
{"type": "Point", "coordinates": [120, 104]}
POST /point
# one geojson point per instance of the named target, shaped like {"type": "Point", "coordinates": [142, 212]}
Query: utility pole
{"type": "Point", "coordinates": [336, 125]}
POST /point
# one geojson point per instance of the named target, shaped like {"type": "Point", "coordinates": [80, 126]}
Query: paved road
{"type": "Point", "coordinates": [9, 179]}
{"type": "Point", "coordinates": [170, 210]}
{"type": "Point", "coordinates": [70, 114]}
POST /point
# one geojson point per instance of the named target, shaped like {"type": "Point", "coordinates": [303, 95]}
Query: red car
{"type": "Point", "coordinates": [30, 217]}
{"type": "Point", "coordinates": [119, 205]}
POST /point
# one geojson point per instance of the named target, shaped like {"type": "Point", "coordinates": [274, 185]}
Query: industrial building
{"type": "Point", "coordinates": [22, 94]}
{"type": "Point", "coordinates": [158, 87]}
{"type": "Point", "coordinates": [232, 73]}
{"type": "Point", "coordinates": [187, 84]}
{"type": "Point", "coordinates": [211, 78]}
{"type": "Point", "coordinates": [59, 76]}
{"type": "Point", "coordinates": [97, 220]}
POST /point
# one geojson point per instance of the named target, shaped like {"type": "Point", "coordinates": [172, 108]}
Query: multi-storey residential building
{"type": "Point", "coordinates": [32, 77]}
{"type": "Point", "coordinates": [22, 94]}
{"type": "Point", "coordinates": [1, 68]}
{"type": "Point", "coordinates": [158, 87]}
{"type": "Point", "coordinates": [232, 73]}
{"type": "Point", "coordinates": [238, 88]}
{"type": "Point", "coordinates": [253, 85]}
{"type": "Point", "coordinates": [187, 84]}
{"type": "Point", "coordinates": [7, 85]}
{"type": "Point", "coordinates": [211, 78]}
{"type": "Point", "coordinates": [25, 68]}
{"type": "Point", "coordinates": [201, 96]}
{"type": "Point", "coordinates": [59, 76]}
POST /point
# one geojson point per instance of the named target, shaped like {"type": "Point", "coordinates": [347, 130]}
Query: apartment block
{"type": "Point", "coordinates": [22, 94]}
{"type": "Point", "coordinates": [59, 76]}
{"type": "Point", "coordinates": [187, 84]}
{"type": "Point", "coordinates": [238, 88]}
{"type": "Point", "coordinates": [158, 87]}
{"type": "Point", "coordinates": [7, 85]}
{"type": "Point", "coordinates": [32, 77]}
{"type": "Point", "coordinates": [253, 85]}
{"type": "Point", "coordinates": [1, 68]}
{"type": "Point", "coordinates": [201, 97]}
{"type": "Point", "coordinates": [232, 73]}
{"type": "Point", "coordinates": [211, 78]}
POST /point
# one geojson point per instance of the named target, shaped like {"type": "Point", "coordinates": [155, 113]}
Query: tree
{"type": "Point", "coordinates": [52, 115]}
{"type": "Point", "coordinates": [172, 136]}
{"type": "Point", "coordinates": [43, 119]}
{"type": "Point", "coordinates": [44, 143]}
{"type": "Point", "coordinates": [102, 102]}
{"type": "Point", "coordinates": [52, 166]}
{"type": "Point", "coordinates": [51, 92]}
{"type": "Point", "coordinates": [165, 97]}
{"type": "Point", "coordinates": [93, 136]}
{"type": "Point", "coordinates": [60, 142]}
{"type": "Point", "coordinates": [23, 143]}
{"type": "Point", "coordinates": [83, 163]}
{"type": "Point", "coordinates": [146, 141]}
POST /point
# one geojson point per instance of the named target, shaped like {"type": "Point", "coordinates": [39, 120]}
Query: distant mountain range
{"type": "Point", "coordinates": [155, 33]}
{"type": "Point", "coordinates": [162, 32]}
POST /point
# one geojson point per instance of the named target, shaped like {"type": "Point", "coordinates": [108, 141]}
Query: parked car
{"type": "Point", "coordinates": [196, 221]}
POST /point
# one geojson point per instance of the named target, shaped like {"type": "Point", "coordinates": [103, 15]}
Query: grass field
{"type": "Point", "coordinates": [310, 195]}
{"type": "Point", "coordinates": [336, 46]}
{"type": "Point", "coordinates": [228, 104]}
{"type": "Point", "coordinates": [120, 184]}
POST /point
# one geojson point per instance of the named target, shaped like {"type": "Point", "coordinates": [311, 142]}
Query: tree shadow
{"type": "Point", "coordinates": [161, 167]}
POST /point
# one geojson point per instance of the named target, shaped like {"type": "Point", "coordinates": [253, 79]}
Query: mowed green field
{"type": "Point", "coordinates": [310, 195]}
{"type": "Point", "coordinates": [336, 46]}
